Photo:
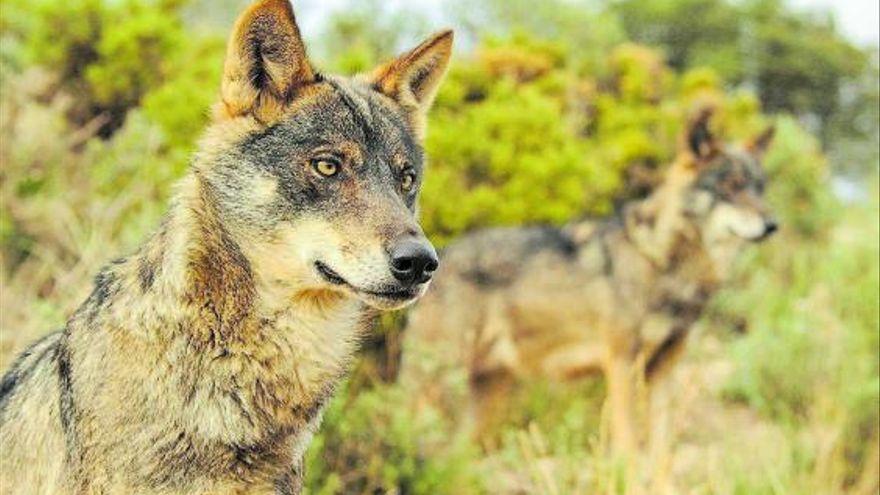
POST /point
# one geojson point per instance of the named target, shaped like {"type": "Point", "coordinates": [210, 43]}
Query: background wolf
{"type": "Point", "coordinates": [617, 296]}
{"type": "Point", "coordinates": [201, 363]}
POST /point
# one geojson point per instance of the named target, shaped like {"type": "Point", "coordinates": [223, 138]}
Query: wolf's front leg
{"type": "Point", "coordinates": [489, 393]}
{"type": "Point", "coordinates": [661, 429]}
{"type": "Point", "coordinates": [624, 376]}
{"type": "Point", "coordinates": [621, 375]}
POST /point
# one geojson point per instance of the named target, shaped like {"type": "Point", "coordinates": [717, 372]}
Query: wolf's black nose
{"type": "Point", "coordinates": [413, 262]}
{"type": "Point", "coordinates": [770, 226]}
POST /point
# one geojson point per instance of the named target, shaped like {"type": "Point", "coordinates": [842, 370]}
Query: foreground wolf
{"type": "Point", "coordinates": [201, 363]}
{"type": "Point", "coordinates": [617, 296]}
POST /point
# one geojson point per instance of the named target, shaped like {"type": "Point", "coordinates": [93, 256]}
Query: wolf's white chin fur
{"type": "Point", "coordinates": [746, 225]}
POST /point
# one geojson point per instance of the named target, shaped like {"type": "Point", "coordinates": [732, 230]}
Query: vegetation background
{"type": "Point", "coordinates": [552, 110]}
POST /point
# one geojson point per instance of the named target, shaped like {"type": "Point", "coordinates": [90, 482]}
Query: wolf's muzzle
{"type": "Point", "coordinates": [413, 261]}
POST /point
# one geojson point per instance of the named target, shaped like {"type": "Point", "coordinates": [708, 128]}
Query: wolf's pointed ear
{"type": "Point", "coordinates": [759, 144]}
{"type": "Point", "coordinates": [265, 62]}
{"type": "Point", "coordinates": [413, 78]}
{"type": "Point", "coordinates": [699, 140]}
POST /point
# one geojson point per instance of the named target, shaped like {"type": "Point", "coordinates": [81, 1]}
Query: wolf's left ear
{"type": "Point", "coordinates": [265, 62]}
{"type": "Point", "coordinates": [413, 78]}
{"type": "Point", "coordinates": [759, 145]}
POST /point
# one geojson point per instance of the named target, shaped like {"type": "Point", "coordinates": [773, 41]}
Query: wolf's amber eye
{"type": "Point", "coordinates": [408, 180]}
{"type": "Point", "coordinates": [325, 167]}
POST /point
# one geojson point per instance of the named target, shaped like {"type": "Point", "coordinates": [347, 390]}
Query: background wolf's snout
{"type": "Point", "coordinates": [770, 227]}
{"type": "Point", "coordinates": [413, 262]}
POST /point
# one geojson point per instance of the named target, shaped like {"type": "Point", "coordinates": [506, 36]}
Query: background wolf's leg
{"type": "Point", "coordinates": [623, 374]}
{"type": "Point", "coordinates": [490, 392]}
{"type": "Point", "coordinates": [667, 353]}
{"type": "Point", "coordinates": [620, 374]}
{"type": "Point", "coordinates": [491, 378]}
{"type": "Point", "coordinates": [661, 431]}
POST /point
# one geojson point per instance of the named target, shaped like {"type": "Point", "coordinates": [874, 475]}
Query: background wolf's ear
{"type": "Point", "coordinates": [759, 145]}
{"type": "Point", "coordinates": [265, 62]}
{"type": "Point", "coordinates": [413, 78]}
{"type": "Point", "coordinates": [699, 140]}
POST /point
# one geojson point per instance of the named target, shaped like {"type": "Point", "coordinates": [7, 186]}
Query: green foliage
{"type": "Point", "coordinates": [367, 33]}
{"type": "Point", "coordinates": [670, 24]}
{"type": "Point", "coordinates": [588, 29]}
{"type": "Point", "coordinates": [374, 443]}
{"type": "Point", "coordinates": [181, 104]}
{"type": "Point", "coordinates": [503, 166]}
{"type": "Point", "coordinates": [108, 53]}
{"type": "Point", "coordinates": [813, 352]}
{"type": "Point", "coordinates": [799, 174]}
{"type": "Point", "coordinates": [854, 135]}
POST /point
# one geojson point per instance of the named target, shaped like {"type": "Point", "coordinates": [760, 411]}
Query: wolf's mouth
{"type": "Point", "coordinates": [336, 279]}
{"type": "Point", "coordinates": [329, 275]}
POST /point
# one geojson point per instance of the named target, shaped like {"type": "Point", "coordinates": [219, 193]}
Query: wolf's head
{"type": "Point", "coordinates": [720, 189]}
{"type": "Point", "coordinates": [726, 194]}
{"type": "Point", "coordinates": [316, 177]}
{"type": "Point", "coordinates": [713, 193]}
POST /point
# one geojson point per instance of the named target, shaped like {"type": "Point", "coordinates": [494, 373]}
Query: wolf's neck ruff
{"type": "Point", "coordinates": [250, 374]}
{"type": "Point", "coordinates": [659, 230]}
{"type": "Point", "coordinates": [194, 262]}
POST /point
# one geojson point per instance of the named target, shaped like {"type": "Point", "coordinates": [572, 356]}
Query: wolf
{"type": "Point", "coordinates": [202, 362]}
{"type": "Point", "coordinates": [615, 296]}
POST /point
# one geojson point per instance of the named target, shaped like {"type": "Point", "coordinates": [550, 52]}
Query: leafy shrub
{"type": "Point", "coordinates": [108, 53]}
{"type": "Point", "coordinates": [528, 128]}
{"type": "Point", "coordinates": [181, 105]}
{"type": "Point", "coordinates": [374, 443]}
{"type": "Point", "coordinates": [800, 178]}
{"type": "Point", "coordinates": [518, 138]}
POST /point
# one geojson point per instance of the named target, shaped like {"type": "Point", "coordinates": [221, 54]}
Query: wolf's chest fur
{"type": "Point", "coordinates": [211, 380]}
{"type": "Point", "coordinates": [248, 413]}
{"type": "Point", "coordinates": [273, 384]}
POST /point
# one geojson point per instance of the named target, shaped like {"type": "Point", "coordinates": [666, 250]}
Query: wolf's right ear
{"type": "Point", "coordinates": [699, 140]}
{"type": "Point", "coordinates": [265, 62]}
{"type": "Point", "coordinates": [413, 78]}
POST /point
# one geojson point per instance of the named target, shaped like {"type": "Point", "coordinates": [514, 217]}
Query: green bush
{"type": "Point", "coordinates": [373, 442]}
{"type": "Point", "coordinates": [518, 138]}
{"type": "Point", "coordinates": [109, 54]}
{"type": "Point", "coordinates": [181, 105]}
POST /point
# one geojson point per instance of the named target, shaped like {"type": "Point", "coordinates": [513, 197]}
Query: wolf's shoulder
{"type": "Point", "coordinates": [25, 365]}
